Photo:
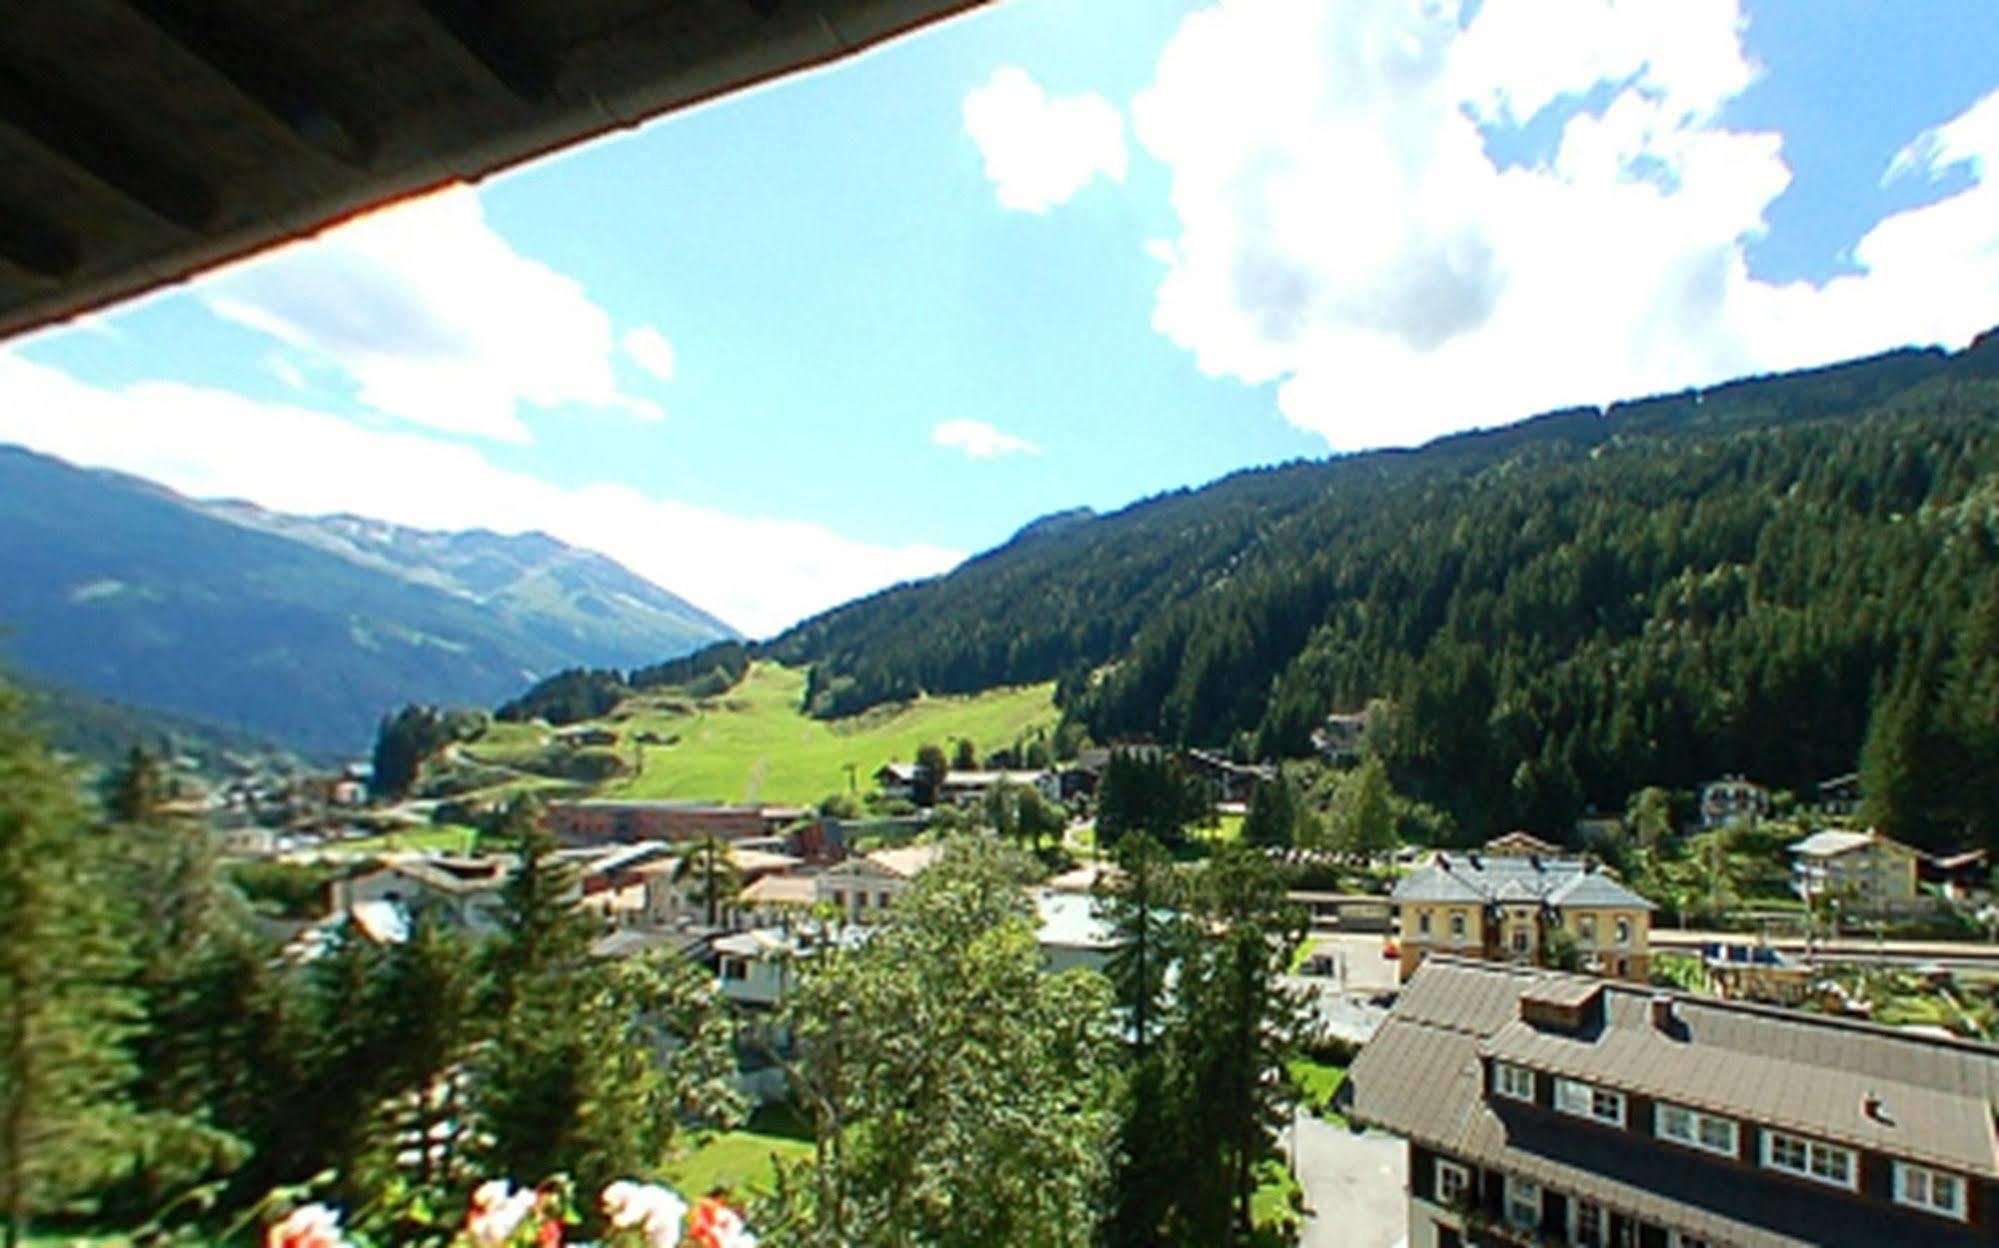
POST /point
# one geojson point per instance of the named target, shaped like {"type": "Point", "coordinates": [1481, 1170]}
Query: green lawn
{"type": "Point", "coordinates": [755, 744]}
{"type": "Point", "coordinates": [1317, 1083]}
{"type": "Point", "coordinates": [741, 1161]}
{"type": "Point", "coordinates": [443, 838]}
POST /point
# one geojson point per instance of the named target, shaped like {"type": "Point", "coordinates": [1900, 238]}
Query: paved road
{"type": "Point", "coordinates": [1354, 1187]}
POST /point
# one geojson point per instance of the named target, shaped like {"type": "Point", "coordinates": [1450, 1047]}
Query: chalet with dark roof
{"type": "Point", "coordinates": [1546, 1107]}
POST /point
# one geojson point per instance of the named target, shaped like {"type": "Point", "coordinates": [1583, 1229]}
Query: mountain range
{"type": "Point", "coordinates": [300, 629]}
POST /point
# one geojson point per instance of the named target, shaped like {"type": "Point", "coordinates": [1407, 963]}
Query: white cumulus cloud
{"type": "Point", "coordinates": [435, 318]}
{"type": "Point", "coordinates": [1345, 231]}
{"type": "Point", "coordinates": [650, 350]}
{"type": "Point", "coordinates": [979, 440]}
{"type": "Point", "coordinates": [758, 573]}
{"type": "Point", "coordinates": [1040, 149]}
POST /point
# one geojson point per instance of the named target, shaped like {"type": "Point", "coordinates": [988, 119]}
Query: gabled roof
{"type": "Point", "coordinates": [1518, 842]}
{"type": "Point", "coordinates": [908, 861]}
{"type": "Point", "coordinates": [1833, 842]}
{"type": "Point", "coordinates": [1422, 1077]}
{"type": "Point", "coordinates": [1480, 879]}
{"type": "Point", "coordinates": [780, 890]}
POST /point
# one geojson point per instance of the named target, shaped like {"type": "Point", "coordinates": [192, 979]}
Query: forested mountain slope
{"type": "Point", "coordinates": [121, 588]}
{"type": "Point", "coordinates": [1560, 610]}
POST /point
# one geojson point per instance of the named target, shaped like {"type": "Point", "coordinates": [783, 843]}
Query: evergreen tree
{"type": "Point", "coordinates": [1274, 814]}
{"type": "Point", "coordinates": [931, 768]}
{"type": "Point", "coordinates": [67, 1015]}
{"type": "Point", "coordinates": [1236, 1028]}
{"type": "Point", "coordinates": [189, 936]}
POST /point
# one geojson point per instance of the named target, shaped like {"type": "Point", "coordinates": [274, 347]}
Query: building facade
{"type": "Point", "coordinates": [1866, 872]}
{"type": "Point", "coordinates": [1517, 907]}
{"type": "Point", "coordinates": [1542, 1107]}
{"type": "Point", "coordinates": [610, 822]}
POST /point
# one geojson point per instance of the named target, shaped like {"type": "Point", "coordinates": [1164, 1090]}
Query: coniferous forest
{"type": "Point", "coordinates": [1786, 577]}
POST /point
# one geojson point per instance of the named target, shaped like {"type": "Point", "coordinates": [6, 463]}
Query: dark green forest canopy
{"type": "Point", "coordinates": [1561, 611]}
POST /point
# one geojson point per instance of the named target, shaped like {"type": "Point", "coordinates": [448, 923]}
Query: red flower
{"type": "Point", "coordinates": [549, 1235]}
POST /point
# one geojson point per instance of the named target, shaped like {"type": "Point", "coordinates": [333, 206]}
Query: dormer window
{"type": "Point", "coordinates": [1695, 1129]}
{"type": "Point", "coordinates": [1513, 1082]}
{"type": "Point", "coordinates": [1934, 1191]}
{"type": "Point", "coordinates": [1811, 1159]}
{"type": "Point", "coordinates": [1584, 1100]}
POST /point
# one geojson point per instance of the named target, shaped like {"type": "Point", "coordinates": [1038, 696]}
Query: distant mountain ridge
{"type": "Point", "coordinates": [565, 595]}
{"type": "Point", "coordinates": [301, 629]}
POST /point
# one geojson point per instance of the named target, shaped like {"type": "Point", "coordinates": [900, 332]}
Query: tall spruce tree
{"type": "Point", "coordinates": [1236, 1028]}
{"type": "Point", "coordinates": [67, 1012]}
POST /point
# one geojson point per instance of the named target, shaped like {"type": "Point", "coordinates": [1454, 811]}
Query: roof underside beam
{"type": "Point", "coordinates": [34, 246]}
{"type": "Point", "coordinates": [79, 135]}
{"type": "Point", "coordinates": [264, 74]}
{"type": "Point", "coordinates": [497, 44]}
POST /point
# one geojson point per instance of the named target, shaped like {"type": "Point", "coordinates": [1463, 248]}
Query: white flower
{"type": "Point", "coordinates": [497, 1212]}
{"type": "Point", "coordinates": [648, 1208]}
{"type": "Point", "coordinates": [308, 1226]}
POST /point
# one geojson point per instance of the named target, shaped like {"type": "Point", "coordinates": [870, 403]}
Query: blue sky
{"type": "Point", "coordinates": [789, 347]}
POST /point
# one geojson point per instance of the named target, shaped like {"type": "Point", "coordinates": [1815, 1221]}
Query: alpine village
{"type": "Point", "coordinates": [1577, 831]}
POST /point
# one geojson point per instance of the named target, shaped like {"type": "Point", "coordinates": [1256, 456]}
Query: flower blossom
{"type": "Point", "coordinates": [715, 1225]}
{"type": "Point", "coordinates": [651, 1210]}
{"type": "Point", "coordinates": [308, 1226]}
{"type": "Point", "coordinates": [497, 1212]}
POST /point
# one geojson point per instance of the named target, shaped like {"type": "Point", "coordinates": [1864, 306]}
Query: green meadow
{"type": "Point", "coordinates": [755, 744]}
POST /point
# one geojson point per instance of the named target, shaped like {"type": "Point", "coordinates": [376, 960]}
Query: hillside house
{"type": "Point", "coordinates": [586, 735]}
{"type": "Point", "coordinates": [1232, 781]}
{"type": "Point", "coordinates": [462, 892]}
{"type": "Point", "coordinates": [1548, 1108]}
{"type": "Point", "coordinates": [1840, 795]}
{"type": "Point", "coordinates": [1731, 801]}
{"type": "Point", "coordinates": [1073, 932]}
{"type": "Point", "coordinates": [863, 887]}
{"type": "Point", "coordinates": [1964, 876]}
{"type": "Point", "coordinates": [676, 887]}
{"type": "Point", "coordinates": [899, 782]}
{"type": "Point", "coordinates": [1865, 872]}
{"type": "Point", "coordinates": [1338, 739]}
{"type": "Point", "coordinates": [968, 788]}
{"type": "Point", "coordinates": [1506, 908]}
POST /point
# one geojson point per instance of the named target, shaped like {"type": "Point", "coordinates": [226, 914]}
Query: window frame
{"type": "Point", "coordinates": [1593, 1113]}
{"type": "Point", "coordinates": [1458, 925]}
{"type": "Point", "coordinates": [1502, 1080]}
{"type": "Point", "coordinates": [1697, 1119]}
{"type": "Point", "coordinates": [1459, 1172]}
{"type": "Point", "coordinates": [1622, 929]}
{"type": "Point", "coordinates": [1517, 1191]}
{"type": "Point", "coordinates": [1813, 1148]}
{"type": "Point", "coordinates": [1905, 1170]}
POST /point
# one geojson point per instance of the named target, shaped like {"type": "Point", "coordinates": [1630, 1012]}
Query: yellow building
{"type": "Point", "coordinates": [1509, 907]}
{"type": "Point", "coordinates": [1866, 872]}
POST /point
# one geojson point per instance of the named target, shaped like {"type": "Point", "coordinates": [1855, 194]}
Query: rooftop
{"type": "Point", "coordinates": [1833, 842]}
{"type": "Point", "coordinates": [1482, 879]}
{"type": "Point", "coordinates": [1913, 1096]}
